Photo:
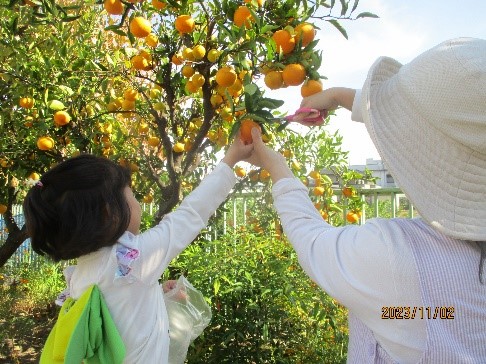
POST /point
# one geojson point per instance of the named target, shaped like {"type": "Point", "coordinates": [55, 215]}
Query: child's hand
{"type": "Point", "coordinates": [169, 285]}
{"type": "Point", "coordinates": [267, 158]}
{"type": "Point", "coordinates": [237, 151]}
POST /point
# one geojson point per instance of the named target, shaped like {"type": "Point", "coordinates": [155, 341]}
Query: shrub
{"type": "Point", "coordinates": [265, 309]}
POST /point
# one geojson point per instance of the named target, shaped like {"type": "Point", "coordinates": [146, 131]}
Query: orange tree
{"type": "Point", "coordinates": [158, 86]}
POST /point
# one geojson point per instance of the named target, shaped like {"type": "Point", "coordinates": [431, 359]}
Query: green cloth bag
{"type": "Point", "coordinates": [84, 331]}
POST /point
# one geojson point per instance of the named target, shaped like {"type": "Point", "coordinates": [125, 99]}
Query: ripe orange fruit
{"type": "Point", "coordinates": [130, 94]}
{"type": "Point", "coordinates": [294, 74]}
{"type": "Point", "coordinates": [187, 54]}
{"type": "Point", "coordinates": [245, 130]}
{"type": "Point", "coordinates": [128, 105]}
{"type": "Point", "coordinates": [112, 106]}
{"type": "Point", "coordinates": [177, 59]}
{"type": "Point", "coordinates": [61, 118]}
{"type": "Point", "coordinates": [242, 17]}
{"type": "Point", "coordinates": [306, 32]}
{"type": "Point", "coordinates": [140, 63]}
{"type": "Point", "coordinates": [240, 171]}
{"type": "Point", "coordinates": [34, 176]}
{"type": "Point", "coordinates": [315, 174]}
{"type": "Point", "coordinates": [264, 175]}
{"type": "Point", "coordinates": [140, 27]}
{"type": "Point", "coordinates": [26, 102]}
{"type": "Point", "coordinates": [178, 147]}
{"type": "Point", "coordinates": [236, 88]}
{"type": "Point", "coordinates": [274, 80]}
{"type": "Point", "coordinates": [153, 141]}
{"type": "Point", "coordinates": [187, 71]}
{"type": "Point", "coordinates": [213, 55]}
{"type": "Point", "coordinates": [198, 52]}
{"type": "Point", "coordinates": [113, 7]}
{"type": "Point", "coordinates": [259, 2]}
{"type": "Point", "coordinates": [159, 5]}
{"type": "Point", "coordinates": [3, 209]}
{"type": "Point", "coordinates": [319, 191]}
{"type": "Point", "coordinates": [148, 198]}
{"type": "Point", "coordinates": [284, 40]}
{"type": "Point", "coordinates": [184, 24]}
{"type": "Point", "coordinates": [216, 100]}
{"type": "Point", "coordinates": [348, 192]}
{"type": "Point", "coordinates": [310, 87]}
{"type": "Point", "coordinates": [191, 87]}
{"type": "Point", "coordinates": [143, 128]}
{"type": "Point", "coordinates": [198, 79]}
{"type": "Point", "coordinates": [352, 217]}
{"type": "Point", "coordinates": [225, 76]}
{"type": "Point", "coordinates": [45, 143]}
{"type": "Point", "coordinates": [151, 40]}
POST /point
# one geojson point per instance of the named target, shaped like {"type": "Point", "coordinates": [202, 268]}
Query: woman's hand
{"type": "Point", "coordinates": [330, 99]}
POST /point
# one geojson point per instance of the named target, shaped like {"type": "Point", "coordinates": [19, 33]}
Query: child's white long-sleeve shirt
{"type": "Point", "coordinates": [128, 273]}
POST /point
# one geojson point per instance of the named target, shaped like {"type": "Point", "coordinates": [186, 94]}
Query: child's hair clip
{"type": "Point", "coordinates": [307, 115]}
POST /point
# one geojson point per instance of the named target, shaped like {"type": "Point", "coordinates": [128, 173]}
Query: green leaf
{"type": "Point", "coordinates": [338, 27]}
{"type": "Point", "coordinates": [216, 286]}
{"type": "Point", "coordinates": [283, 126]}
{"type": "Point", "coordinates": [344, 7]}
{"type": "Point", "coordinates": [367, 14]}
{"type": "Point", "coordinates": [56, 105]}
{"type": "Point", "coordinates": [14, 24]}
{"type": "Point", "coordinates": [251, 88]}
{"type": "Point", "coordinates": [256, 117]}
{"type": "Point", "coordinates": [67, 90]}
{"type": "Point", "coordinates": [249, 104]}
{"type": "Point", "coordinates": [68, 19]}
{"type": "Point", "coordinates": [109, 60]}
{"type": "Point", "coordinates": [270, 103]}
{"type": "Point", "coordinates": [234, 129]}
{"type": "Point", "coordinates": [355, 5]}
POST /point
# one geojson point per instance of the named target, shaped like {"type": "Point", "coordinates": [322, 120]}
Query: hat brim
{"type": "Point", "coordinates": [427, 165]}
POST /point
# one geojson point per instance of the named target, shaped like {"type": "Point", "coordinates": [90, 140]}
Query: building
{"type": "Point", "coordinates": [378, 169]}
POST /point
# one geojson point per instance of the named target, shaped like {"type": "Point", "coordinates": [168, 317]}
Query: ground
{"type": "Point", "coordinates": [23, 334]}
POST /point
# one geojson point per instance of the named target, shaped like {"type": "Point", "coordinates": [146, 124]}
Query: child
{"type": "Point", "coordinates": [84, 208]}
{"type": "Point", "coordinates": [415, 288]}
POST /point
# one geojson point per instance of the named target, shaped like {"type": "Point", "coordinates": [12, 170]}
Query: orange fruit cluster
{"type": "Point", "coordinates": [292, 74]}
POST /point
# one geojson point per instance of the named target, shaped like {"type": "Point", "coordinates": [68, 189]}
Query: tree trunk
{"type": "Point", "coordinates": [14, 240]}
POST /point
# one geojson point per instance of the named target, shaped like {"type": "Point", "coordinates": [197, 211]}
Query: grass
{"type": "Point", "coordinates": [27, 310]}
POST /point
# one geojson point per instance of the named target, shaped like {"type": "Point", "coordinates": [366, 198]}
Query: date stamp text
{"type": "Point", "coordinates": [419, 312]}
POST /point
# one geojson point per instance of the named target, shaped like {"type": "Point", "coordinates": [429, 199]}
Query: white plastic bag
{"type": "Point", "coordinates": [189, 315]}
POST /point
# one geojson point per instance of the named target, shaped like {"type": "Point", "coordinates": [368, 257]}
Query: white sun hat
{"type": "Point", "coordinates": [427, 119]}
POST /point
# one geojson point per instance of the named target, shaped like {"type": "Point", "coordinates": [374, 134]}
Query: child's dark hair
{"type": "Point", "coordinates": [78, 207]}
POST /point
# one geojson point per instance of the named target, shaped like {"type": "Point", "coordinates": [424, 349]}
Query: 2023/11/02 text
{"type": "Point", "coordinates": [420, 312]}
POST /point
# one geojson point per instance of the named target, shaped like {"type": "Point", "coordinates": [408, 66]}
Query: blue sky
{"type": "Point", "coordinates": [405, 29]}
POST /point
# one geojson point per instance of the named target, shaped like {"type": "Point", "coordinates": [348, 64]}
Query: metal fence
{"type": "Point", "coordinates": [378, 202]}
